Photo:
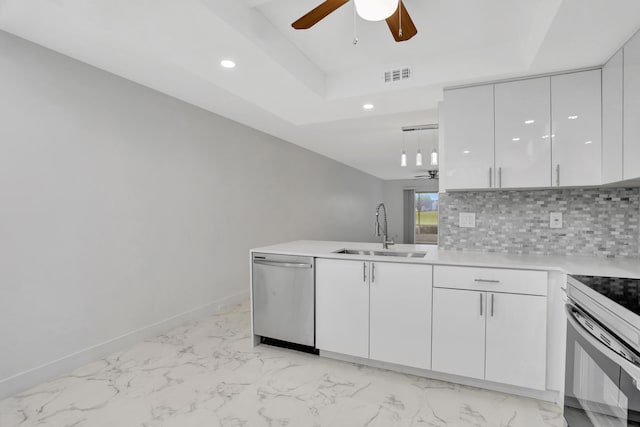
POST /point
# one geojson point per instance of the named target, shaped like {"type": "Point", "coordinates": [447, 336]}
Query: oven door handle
{"type": "Point", "coordinates": [629, 367]}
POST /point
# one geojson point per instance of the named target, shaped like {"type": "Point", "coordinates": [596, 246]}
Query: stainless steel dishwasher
{"type": "Point", "coordinates": [284, 299]}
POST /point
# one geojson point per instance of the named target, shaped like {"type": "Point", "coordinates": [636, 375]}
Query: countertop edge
{"type": "Point", "coordinates": [611, 267]}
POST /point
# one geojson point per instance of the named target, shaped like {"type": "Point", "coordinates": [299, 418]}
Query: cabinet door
{"type": "Point", "coordinates": [468, 155]}
{"type": "Point", "coordinates": [632, 108]}
{"type": "Point", "coordinates": [517, 340]}
{"type": "Point", "coordinates": [612, 87]}
{"type": "Point", "coordinates": [576, 128]}
{"type": "Point", "coordinates": [342, 306]}
{"type": "Point", "coordinates": [523, 122]}
{"type": "Point", "coordinates": [400, 325]}
{"type": "Point", "coordinates": [458, 332]}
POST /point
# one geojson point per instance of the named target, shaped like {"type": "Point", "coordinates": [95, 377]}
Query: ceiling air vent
{"type": "Point", "coordinates": [397, 75]}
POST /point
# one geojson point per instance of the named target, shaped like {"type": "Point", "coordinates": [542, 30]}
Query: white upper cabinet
{"type": "Point", "coordinates": [612, 100]}
{"type": "Point", "coordinates": [535, 133]}
{"type": "Point", "coordinates": [469, 148]}
{"type": "Point", "coordinates": [576, 128]}
{"type": "Point", "coordinates": [400, 305]}
{"type": "Point", "coordinates": [631, 108]}
{"type": "Point", "coordinates": [522, 129]}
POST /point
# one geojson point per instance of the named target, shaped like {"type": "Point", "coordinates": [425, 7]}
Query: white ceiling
{"type": "Point", "coordinates": [308, 87]}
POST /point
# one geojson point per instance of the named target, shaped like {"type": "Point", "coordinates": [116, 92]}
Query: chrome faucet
{"type": "Point", "coordinates": [385, 242]}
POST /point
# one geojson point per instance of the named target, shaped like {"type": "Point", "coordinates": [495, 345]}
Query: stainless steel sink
{"type": "Point", "coordinates": [381, 253]}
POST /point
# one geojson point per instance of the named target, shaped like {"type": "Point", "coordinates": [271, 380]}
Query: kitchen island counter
{"type": "Point", "coordinates": [590, 266]}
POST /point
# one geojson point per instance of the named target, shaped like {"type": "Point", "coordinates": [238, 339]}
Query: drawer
{"type": "Point", "coordinates": [528, 282]}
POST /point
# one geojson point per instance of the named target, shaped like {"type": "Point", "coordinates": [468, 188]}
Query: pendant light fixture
{"type": "Point", "coordinates": [376, 10]}
{"type": "Point", "coordinates": [403, 156]}
{"type": "Point", "coordinates": [419, 153]}
{"type": "Point", "coordinates": [419, 161]}
{"type": "Point", "coordinates": [434, 153]}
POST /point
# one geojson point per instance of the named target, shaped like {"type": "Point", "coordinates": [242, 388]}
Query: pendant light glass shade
{"type": "Point", "coordinates": [403, 159]}
{"type": "Point", "coordinates": [376, 10]}
{"type": "Point", "coordinates": [434, 158]}
{"type": "Point", "coordinates": [419, 158]}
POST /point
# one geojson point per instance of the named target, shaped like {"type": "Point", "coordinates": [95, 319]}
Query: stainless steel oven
{"type": "Point", "coordinates": [602, 377]}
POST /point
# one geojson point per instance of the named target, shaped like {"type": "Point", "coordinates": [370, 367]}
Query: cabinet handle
{"type": "Point", "coordinates": [487, 281]}
{"type": "Point", "coordinates": [492, 295]}
{"type": "Point", "coordinates": [500, 177]}
{"type": "Point", "coordinates": [364, 272]}
{"type": "Point", "coordinates": [490, 177]}
{"type": "Point", "coordinates": [558, 175]}
{"type": "Point", "coordinates": [481, 305]}
{"type": "Point", "coordinates": [373, 272]}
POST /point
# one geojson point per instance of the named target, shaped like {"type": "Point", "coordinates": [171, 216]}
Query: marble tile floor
{"type": "Point", "coordinates": [206, 373]}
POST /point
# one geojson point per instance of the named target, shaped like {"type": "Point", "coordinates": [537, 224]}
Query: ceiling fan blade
{"type": "Point", "coordinates": [408, 28]}
{"type": "Point", "coordinates": [317, 14]}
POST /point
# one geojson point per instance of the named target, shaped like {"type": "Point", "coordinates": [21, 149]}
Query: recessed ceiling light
{"type": "Point", "coordinates": [515, 139]}
{"type": "Point", "coordinates": [545, 136]}
{"type": "Point", "coordinates": [528, 122]}
{"type": "Point", "coordinates": [227, 63]}
{"type": "Point", "coordinates": [572, 117]}
{"type": "Point", "coordinates": [368, 106]}
{"type": "Point", "coordinates": [588, 142]}
{"type": "Point", "coordinates": [466, 152]}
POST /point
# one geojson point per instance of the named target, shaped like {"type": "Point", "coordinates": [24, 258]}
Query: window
{"type": "Point", "coordinates": [426, 217]}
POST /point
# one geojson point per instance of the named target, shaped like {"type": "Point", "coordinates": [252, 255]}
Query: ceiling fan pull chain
{"type": "Point", "coordinates": [355, 25]}
{"type": "Point", "coordinates": [400, 18]}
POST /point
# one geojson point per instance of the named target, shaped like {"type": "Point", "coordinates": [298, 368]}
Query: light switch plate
{"type": "Point", "coordinates": [467, 219]}
{"type": "Point", "coordinates": [555, 220]}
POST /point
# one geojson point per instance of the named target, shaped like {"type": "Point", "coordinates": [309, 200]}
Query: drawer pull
{"type": "Point", "coordinates": [492, 295]}
{"type": "Point", "coordinates": [487, 281]}
{"type": "Point", "coordinates": [364, 272]}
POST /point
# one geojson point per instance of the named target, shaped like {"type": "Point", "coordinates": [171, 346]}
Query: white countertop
{"type": "Point", "coordinates": [590, 266]}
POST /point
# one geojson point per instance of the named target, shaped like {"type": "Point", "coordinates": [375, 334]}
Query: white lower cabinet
{"type": "Point", "coordinates": [458, 332]}
{"type": "Point", "coordinates": [465, 321]}
{"type": "Point", "coordinates": [375, 310]}
{"type": "Point", "coordinates": [342, 306]}
{"type": "Point", "coordinates": [516, 340]}
{"type": "Point", "coordinates": [400, 327]}
{"type": "Point", "coordinates": [489, 333]}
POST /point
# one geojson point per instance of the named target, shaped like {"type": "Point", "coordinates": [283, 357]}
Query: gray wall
{"type": "Point", "coordinates": [394, 202]}
{"type": "Point", "coordinates": [122, 207]}
{"type": "Point", "coordinates": [597, 222]}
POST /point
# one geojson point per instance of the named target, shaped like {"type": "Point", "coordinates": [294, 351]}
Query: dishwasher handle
{"type": "Point", "coordinates": [285, 264]}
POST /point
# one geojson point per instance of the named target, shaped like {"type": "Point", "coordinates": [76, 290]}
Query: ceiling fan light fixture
{"type": "Point", "coordinates": [376, 10]}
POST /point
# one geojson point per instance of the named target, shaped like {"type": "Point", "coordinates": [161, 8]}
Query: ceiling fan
{"type": "Point", "coordinates": [431, 174]}
{"type": "Point", "coordinates": [393, 11]}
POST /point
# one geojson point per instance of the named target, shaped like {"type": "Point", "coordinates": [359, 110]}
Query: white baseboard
{"type": "Point", "coordinates": [546, 395]}
{"type": "Point", "coordinates": [31, 377]}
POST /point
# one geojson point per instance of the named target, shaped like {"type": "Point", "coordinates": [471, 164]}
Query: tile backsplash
{"type": "Point", "coordinates": [596, 222]}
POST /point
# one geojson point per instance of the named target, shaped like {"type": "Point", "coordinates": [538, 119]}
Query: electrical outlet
{"type": "Point", "coordinates": [467, 219]}
{"type": "Point", "coordinates": [555, 220]}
